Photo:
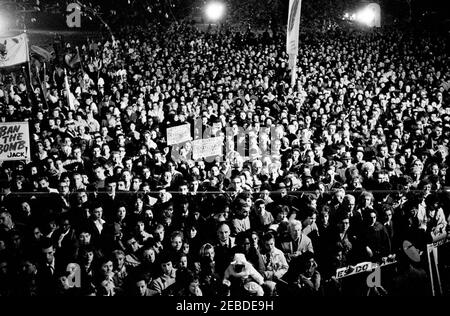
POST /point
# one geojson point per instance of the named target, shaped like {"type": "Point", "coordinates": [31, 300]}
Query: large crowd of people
{"type": "Point", "coordinates": [357, 164]}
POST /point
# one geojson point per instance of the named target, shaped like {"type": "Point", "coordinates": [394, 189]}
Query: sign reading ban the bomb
{"type": "Point", "coordinates": [14, 141]}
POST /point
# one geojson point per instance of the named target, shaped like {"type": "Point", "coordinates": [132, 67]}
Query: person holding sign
{"type": "Point", "coordinates": [412, 280]}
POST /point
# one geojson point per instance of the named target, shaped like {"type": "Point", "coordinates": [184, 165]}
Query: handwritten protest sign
{"type": "Point", "coordinates": [208, 147]}
{"type": "Point", "coordinates": [360, 267]}
{"type": "Point", "coordinates": [178, 134]}
{"type": "Point", "coordinates": [440, 240]}
{"type": "Point", "coordinates": [14, 141]}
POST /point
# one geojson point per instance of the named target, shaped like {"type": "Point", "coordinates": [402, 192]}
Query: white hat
{"type": "Point", "coordinates": [239, 258]}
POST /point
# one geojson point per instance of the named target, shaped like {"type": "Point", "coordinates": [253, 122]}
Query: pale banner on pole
{"type": "Point", "coordinates": [14, 141]}
{"type": "Point", "coordinates": [178, 134]}
{"type": "Point", "coordinates": [203, 148]}
{"type": "Point", "coordinates": [292, 35]}
{"type": "Point", "coordinates": [14, 50]}
{"type": "Point", "coordinates": [376, 13]}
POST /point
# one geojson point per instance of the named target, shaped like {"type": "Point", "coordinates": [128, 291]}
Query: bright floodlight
{"type": "Point", "coordinates": [366, 16]}
{"type": "Point", "coordinates": [215, 10]}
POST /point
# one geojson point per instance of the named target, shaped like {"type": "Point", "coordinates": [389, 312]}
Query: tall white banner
{"type": "Point", "coordinates": [293, 26]}
{"type": "Point", "coordinates": [375, 12]}
{"type": "Point", "coordinates": [14, 50]}
{"type": "Point", "coordinates": [14, 141]}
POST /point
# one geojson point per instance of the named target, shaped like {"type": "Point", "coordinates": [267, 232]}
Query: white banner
{"type": "Point", "coordinates": [14, 50]}
{"type": "Point", "coordinates": [293, 26]}
{"type": "Point", "coordinates": [14, 141]}
{"type": "Point", "coordinates": [374, 10]}
{"type": "Point", "coordinates": [203, 148]}
{"type": "Point", "coordinates": [178, 134]}
{"type": "Point", "coordinates": [439, 240]}
{"type": "Point", "coordinates": [360, 267]}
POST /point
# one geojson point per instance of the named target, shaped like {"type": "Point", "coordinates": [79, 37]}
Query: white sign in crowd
{"type": "Point", "coordinates": [178, 134]}
{"type": "Point", "coordinates": [209, 147]}
{"type": "Point", "coordinates": [14, 141]}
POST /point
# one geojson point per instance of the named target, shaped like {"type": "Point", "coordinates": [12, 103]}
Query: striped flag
{"type": "Point", "coordinates": [42, 53]}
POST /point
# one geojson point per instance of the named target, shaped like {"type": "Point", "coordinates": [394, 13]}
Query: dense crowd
{"type": "Point", "coordinates": [358, 164]}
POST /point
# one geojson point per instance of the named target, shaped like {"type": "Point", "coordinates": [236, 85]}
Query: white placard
{"type": "Point", "coordinates": [178, 134]}
{"type": "Point", "coordinates": [14, 141]}
{"type": "Point", "coordinates": [208, 147]}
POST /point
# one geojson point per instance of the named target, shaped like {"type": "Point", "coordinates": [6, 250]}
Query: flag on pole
{"type": "Point", "coordinates": [42, 53]}
{"type": "Point", "coordinates": [293, 26]}
{"type": "Point", "coordinates": [44, 83]}
{"type": "Point", "coordinates": [292, 35]}
{"type": "Point", "coordinates": [43, 86]}
{"type": "Point", "coordinates": [14, 50]}
{"type": "Point", "coordinates": [69, 96]}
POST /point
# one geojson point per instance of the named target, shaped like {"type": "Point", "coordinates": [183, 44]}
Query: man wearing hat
{"type": "Point", "coordinates": [341, 172]}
